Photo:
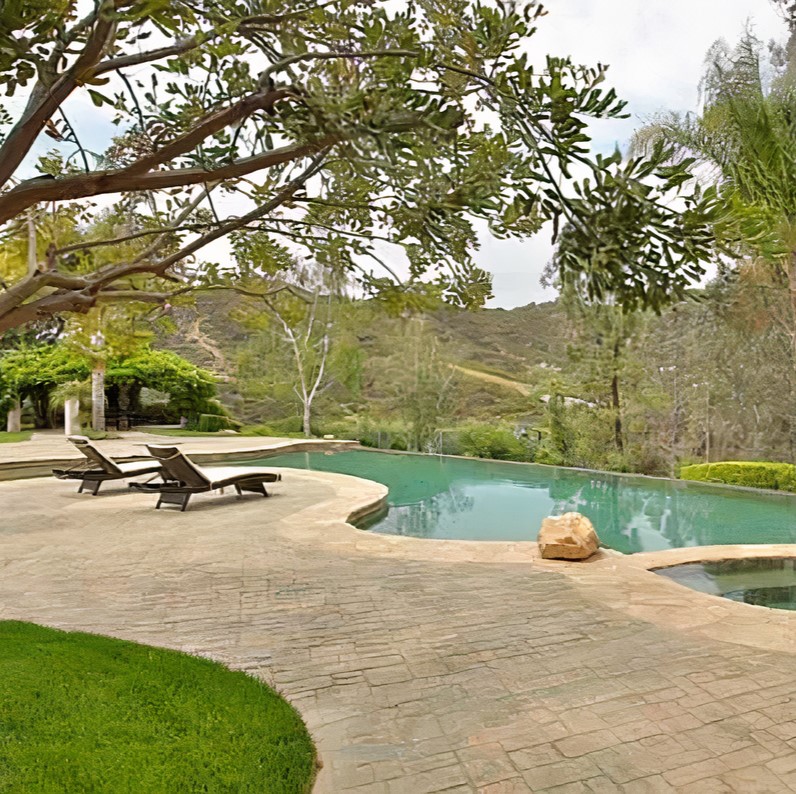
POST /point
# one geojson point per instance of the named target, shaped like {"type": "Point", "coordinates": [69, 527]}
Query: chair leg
{"type": "Point", "coordinates": [258, 487]}
{"type": "Point", "coordinates": [91, 486]}
{"type": "Point", "coordinates": [173, 498]}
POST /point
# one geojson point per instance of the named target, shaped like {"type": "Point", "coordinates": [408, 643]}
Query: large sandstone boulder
{"type": "Point", "coordinates": [567, 537]}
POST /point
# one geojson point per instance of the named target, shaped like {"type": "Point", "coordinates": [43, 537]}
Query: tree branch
{"type": "Point", "coordinates": [285, 63]}
{"type": "Point", "coordinates": [80, 295]}
{"type": "Point", "coordinates": [209, 125]}
{"type": "Point", "coordinates": [96, 183]}
{"type": "Point", "coordinates": [45, 100]}
{"type": "Point", "coordinates": [178, 48]}
{"type": "Point", "coordinates": [140, 296]}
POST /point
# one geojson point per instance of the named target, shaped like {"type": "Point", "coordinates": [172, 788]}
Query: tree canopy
{"type": "Point", "coordinates": [34, 370]}
{"type": "Point", "coordinates": [335, 128]}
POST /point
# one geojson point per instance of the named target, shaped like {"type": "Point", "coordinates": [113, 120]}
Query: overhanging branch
{"type": "Point", "coordinates": [81, 295]}
{"type": "Point", "coordinates": [96, 183]}
{"type": "Point", "coordinates": [46, 99]}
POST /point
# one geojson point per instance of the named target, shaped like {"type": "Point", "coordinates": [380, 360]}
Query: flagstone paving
{"type": "Point", "coordinates": [415, 672]}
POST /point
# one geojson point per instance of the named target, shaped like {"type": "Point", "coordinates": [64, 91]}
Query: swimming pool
{"type": "Point", "coordinates": [442, 497]}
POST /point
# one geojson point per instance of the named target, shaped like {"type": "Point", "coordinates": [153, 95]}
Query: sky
{"type": "Point", "coordinates": [656, 51]}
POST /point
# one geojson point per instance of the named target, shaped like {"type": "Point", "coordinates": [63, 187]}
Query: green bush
{"type": "Point", "coordinates": [752, 474]}
{"type": "Point", "coordinates": [212, 418]}
{"type": "Point", "coordinates": [339, 429]}
{"type": "Point", "coordinates": [289, 426]}
{"type": "Point", "coordinates": [381, 434]}
{"type": "Point", "coordinates": [213, 423]}
{"type": "Point", "coordinates": [488, 441]}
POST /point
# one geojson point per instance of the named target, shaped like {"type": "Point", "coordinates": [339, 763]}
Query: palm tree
{"type": "Point", "coordinates": [745, 141]}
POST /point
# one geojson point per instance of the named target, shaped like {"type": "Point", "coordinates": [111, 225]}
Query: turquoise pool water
{"type": "Point", "coordinates": [439, 497]}
{"type": "Point", "coordinates": [768, 582]}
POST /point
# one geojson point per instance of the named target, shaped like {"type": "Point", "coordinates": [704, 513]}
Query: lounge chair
{"type": "Point", "coordinates": [99, 467]}
{"type": "Point", "coordinates": [182, 478]}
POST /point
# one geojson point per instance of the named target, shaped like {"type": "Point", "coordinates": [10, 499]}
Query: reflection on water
{"type": "Point", "coordinates": [769, 582]}
{"type": "Point", "coordinates": [439, 497]}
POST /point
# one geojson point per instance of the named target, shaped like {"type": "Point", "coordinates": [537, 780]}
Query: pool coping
{"type": "Point", "coordinates": [625, 582]}
{"type": "Point", "coordinates": [665, 601]}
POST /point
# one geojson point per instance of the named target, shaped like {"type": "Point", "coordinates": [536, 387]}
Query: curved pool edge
{"type": "Point", "coordinates": [623, 582]}
{"type": "Point", "coordinates": [629, 583]}
{"type": "Point", "coordinates": [652, 560]}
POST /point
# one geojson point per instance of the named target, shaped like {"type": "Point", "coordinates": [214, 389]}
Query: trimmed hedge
{"type": "Point", "coordinates": [752, 474]}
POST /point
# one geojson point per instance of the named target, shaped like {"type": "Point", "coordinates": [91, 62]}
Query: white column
{"type": "Point", "coordinates": [72, 417]}
{"type": "Point", "coordinates": [98, 397]}
{"type": "Point", "coordinates": [14, 422]}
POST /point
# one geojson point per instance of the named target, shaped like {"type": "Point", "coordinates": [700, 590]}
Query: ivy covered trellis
{"type": "Point", "coordinates": [33, 373]}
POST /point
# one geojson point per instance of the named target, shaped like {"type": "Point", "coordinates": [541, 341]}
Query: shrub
{"type": "Point", "coordinates": [288, 426]}
{"type": "Point", "coordinates": [338, 429]}
{"type": "Point", "coordinates": [382, 434]}
{"type": "Point", "coordinates": [752, 474]}
{"type": "Point", "coordinates": [488, 441]}
{"type": "Point", "coordinates": [213, 423]}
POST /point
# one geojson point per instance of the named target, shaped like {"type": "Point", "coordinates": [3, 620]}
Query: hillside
{"type": "Point", "coordinates": [498, 354]}
{"type": "Point", "coordinates": [507, 341]}
{"type": "Point", "coordinates": [715, 371]}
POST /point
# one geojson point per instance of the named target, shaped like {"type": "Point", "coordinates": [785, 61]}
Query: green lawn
{"type": "Point", "coordinates": [22, 435]}
{"type": "Point", "coordinates": [87, 713]}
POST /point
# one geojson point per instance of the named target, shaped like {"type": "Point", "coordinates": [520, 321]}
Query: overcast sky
{"type": "Point", "coordinates": [656, 51]}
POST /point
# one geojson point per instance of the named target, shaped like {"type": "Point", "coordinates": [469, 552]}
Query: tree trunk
{"type": "Point", "coordinates": [620, 444]}
{"type": "Point", "coordinates": [14, 421]}
{"type": "Point", "coordinates": [98, 397]}
{"type": "Point", "coordinates": [72, 416]}
{"type": "Point", "coordinates": [791, 411]}
{"type": "Point", "coordinates": [41, 413]}
{"type": "Point", "coordinates": [307, 425]}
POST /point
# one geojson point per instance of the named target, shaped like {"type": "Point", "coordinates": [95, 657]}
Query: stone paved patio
{"type": "Point", "coordinates": [415, 669]}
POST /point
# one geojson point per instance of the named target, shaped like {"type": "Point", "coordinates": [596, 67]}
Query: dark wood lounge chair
{"type": "Point", "coordinates": [182, 478]}
{"type": "Point", "coordinates": [98, 468]}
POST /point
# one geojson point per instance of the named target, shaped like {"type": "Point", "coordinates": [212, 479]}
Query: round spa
{"type": "Point", "coordinates": [764, 581]}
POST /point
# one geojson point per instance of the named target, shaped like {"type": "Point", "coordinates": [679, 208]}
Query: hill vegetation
{"type": "Point", "coordinates": [708, 378]}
